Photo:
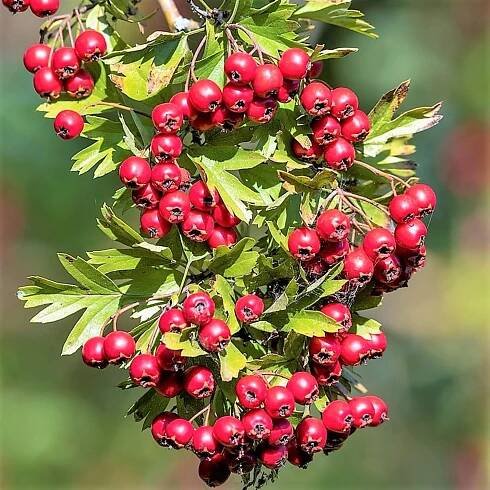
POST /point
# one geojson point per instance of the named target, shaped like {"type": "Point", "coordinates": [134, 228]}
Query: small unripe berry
{"type": "Point", "coordinates": [304, 387]}
{"type": "Point", "coordinates": [68, 124]}
{"type": "Point", "coordinates": [294, 64]}
{"type": "Point", "coordinates": [316, 99]}
{"type": "Point", "coordinates": [93, 354]}
{"type": "Point", "coordinates": [251, 391]}
{"type": "Point", "coordinates": [332, 225]}
{"type": "Point", "coordinates": [198, 308]}
{"type": "Point", "coordinates": [119, 346]}
{"type": "Point", "coordinates": [303, 243]}
{"type": "Point", "coordinates": [214, 335]}
{"type": "Point", "coordinates": [249, 308]}
{"type": "Point", "coordinates": [199, 382]}
{"type": "Point", "coordinates": [144, 370]}
{"type": "Point", "coordinates": [279, 402]}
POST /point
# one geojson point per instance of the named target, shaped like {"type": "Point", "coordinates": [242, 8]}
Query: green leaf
{"type": "Point", "coordinates": [116, 259]}
{"type": "Point", "coordinates": [294, 345]}
{"type": "Point", "coordinates": [225, 292]}
{"type": "Point", "coordinates": [116, 229]}
{"type": "Point", "coordinates": [365, 327]}
{"type": "Point", "coordinates": [268, 361]}
{"type": "Point", "coordinates": [328, 54]}
{"type": "Point", "coordinates": [236, 261]}
{"type": "Point", "coordinates": [232, 361]}
{"type": "Point", "coordinates": [189, 347]}
{"type": "Point", "coordinates": [301, 183]}
{"type": "Point", "coordinates": [311, 324]}
{"type": "Point", "coordinates": [263, 326]}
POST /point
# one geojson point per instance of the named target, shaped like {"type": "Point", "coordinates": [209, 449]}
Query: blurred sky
{"type": "Point", "coordinates": [62, 425]}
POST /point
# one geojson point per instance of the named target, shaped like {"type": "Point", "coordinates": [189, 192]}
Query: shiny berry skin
{"type": "Point", "coordinates": [167, 118]}
{"type": "Point", "coordinates": [46, 83]}
{"type": "Point", "coordinates": [198, 308]}
{"type": "Point", "coordinates": [181, 100]}
{"type": "Point", "coordinates": [333, 225]}
{"type": "Point", "coordinates": [340, 313]}
{"type": "Point", "coordinates": [288, 91]}
{"type": "Point", "coordinates": [316, 99]}
{"type": "Point", "coordinates": [279, 402]}
{"type": "Point", "coordinates": [119, 346]}
{"type": "Point", "coordinates": [229, 431]}
{"type": "Point", "coordinates": [153, 225]}
{"type": "Point", "coordinates": [337, 416]}
{"type": "Point", "coordinates": [294, 64]}
{"type": "Point", "coordinates": [327, 375]}
{"type": "Point", "coordinates": [93, 354]}
{"type": "Point", "coordinates": [197, 226]}
{"type": "Point", "coordinates": [16, 6]}
{"type": "Point", "coordinates": [43, 8]}
{"type": "Point", "coordinates": [170, 384]}
{"type": "Point", "coordinates": [380, 410]}
{"type": "Point", "coordinates": [262, 111]}
{"type": "Point", "coordinates": [362, 411]}
{"type": "Point", "coordinates": [282, 432]}
{"type": "Point", "coordinates": [358, 267]}
{"type": "Point", "coordinates": [311, 154]}
{"type": "Point", "coordinates": [356, 127]}
{"type": "Point", "coordinates": [205, 95]}
{"type": "Point", "coordinates": [166, 176]}
{"type": "Point", "coordinates": [169, 359]}
{"type": "Point", "coordinates": [344, 103]}
{"type": "Point", "coordinates": [304, 387]}
{"type": "Point", "coordinates": [333, 252]}
{"type": "Point", "coordinates": [65, 62]}
{"type": "Point", "coordinates": [268, 80]}
{"type": "Point", "coordinates": [311, 435]}
{"type": "Point", "coordinates": [324, 350]}
{"type": "Point", "coordinates": [315, 69]}
{"type": "Point", "coordinates": [237, 98]}
{"type": "Point", "coordinates": [178, 433]}
{"type": "Point", "coordinates": [388, 270]}
{"type": "Point", "coordinates": [214, 471]}
{"type": "Point", "coordinates": [411, 235]}
{"type": "Point", "coordinates": [240, 68]}
{"type": "Point", "coordinates": [159, 425]}
{"type": "Point", "coordinates": [297, 457]}
{"type": "Point", "coordinates": [339, 155]}
{"type": "Point", "coordinates": [249, 308]}
{"type": "Point", "coordinates": [165, 147]}
{"type": "Point", "coordinates": [223, 217]}
{"type": "Point", "coordinates": [204, 445]}
{"type": "Point", "coordinates": [199, 382]}
{"type": "Point", "coordinates": [202, 197]}
{"type": "Point", "coordinates": [172, 320]}
{"type": "Point", "coordinates": [325, 129]}
{"type": "Point", "coordinates": [174, 207]}
{"type": "Point", "coordinates": [403, 208]}
{"type": "Point", "coordinates": [80, 85]}
{"type": "Point", "coordinates": [424, 197]}
{"type": "Point", "coordinates": [353, 349]}
{"type": "Point", "coordinates": [214, 336]}
{"type": "Point", "coordinates": [36, 57]}
{"type": "Point", "coordinates": [135, 172]}
{"type": "Point", "coordinates": [222, 237]}
{"type": "Point", "coordinates": [377, 345]}
{"type": "Point", "coordinates": [257, 424]}
{"type": "Point", "coordinates": [303, 243]}
{"type": "Point", "coordinates": [272, 457]}
{"type": "Point", "coordinates": [68, 124]}
{"type": "Point", "coordinates": [90, 45]}
{"type": "Point", "coordinates": [251, 391]}
{"type": "Point", "coordinates": [146, 197]}
{"type": "Point", "coordinates": [378, 243]}
{"type": "Point", "coordinates": [144, 370]}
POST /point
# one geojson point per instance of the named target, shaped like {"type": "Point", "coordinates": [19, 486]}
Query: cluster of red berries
{"type": "Point", "coordinates": [261, 432]}
{"type": "Point", "coordinates": [40, 8]}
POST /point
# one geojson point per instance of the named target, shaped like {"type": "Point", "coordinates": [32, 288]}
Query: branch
{"type": "Point", "coordinates": [174, 19]}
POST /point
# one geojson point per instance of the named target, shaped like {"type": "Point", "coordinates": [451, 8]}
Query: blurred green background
{"type": "Point", "coordinates": [62, 425]}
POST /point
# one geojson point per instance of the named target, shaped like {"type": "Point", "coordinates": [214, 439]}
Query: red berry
{"type": "Point", "coordinates": [282, 432]}
{"type": "Point", "coordinates": [327, 375]}
{"type": "Point", "coordinates": [174, 207]}
{"type": "Point", "coordinates": [378, 243]}
{"type": "Point", "coordinates": [324, 350]}
{"type": "Point", "coordinates": [356, 127]}
{"type": "Point", "coordinates": [229, 431]}
{"type": "Point", "coordinates": [304, 387]}
{"type": "Point", "coordinates": [166, 147]}
{"type": "Point", "coordinates": [333, 225]}
{"type": "Point", "coordinates": [424, 197]}
{"type": "Point", "coordinates": [204, 444]}
{"type": "Point", "coordinates": [229, 120]}
{"type": "Point", "coordinates": [344, 103]}
{"type": "Point", "coordinates": [159, 425]}
{"type": "Point", "coordinates": [316, 99]}
{"type": "Point", "coordinates": [80, 85]}
{"type": "Point", "coordinates": [166, 176]}
{"type": "Point", "coordinates": [90, 45]}
{"type": "Point", "coordinates": [358, 267]}
{"type": "Point", "coordinates": [249, 308]}
{"type": "Point", "coordinates": [222, 237]}
{"type": "Point", "coordinates": [311, 435]}
{"type": "Point", "coordinates": [240, 68]}
{"type": "Point", "coordinates": [237, 98]}
{"type": "Point", "coordinates": [403, 208]}
{"type": "Point", "coordinates": [181, 100]}
{"type": "Point", "coordinates": [169, 359]}
{"type": "Point", "coordinates": [172, 320]}
{"type": "Point", "coordinates": [198, 308]}
{"type": "Point", "coordinates": [297, 457]}
{"type": "Point", "coordinates": [353, 349]}
{"type": "Point", "coordinates": [294, 64]}
{"type": "Point", "coordinates": [16, 6]}
{"type": "Point", "coordinates": [272, 457]}
{"type": "Point", "coordinates": [415, 259]}
{"type": "Point", "coordinates": [214, 471]}
{"type": "Point", "coordinates": [199, 382]}
{"type": "Point", "coordinates": [46, 83]}
{"type": "Point", "coordinates": [214, 336]}
{"type": "Point", "coordinates": [315, 267]}
{"type": "Point", "coordinates": [167, 117]}
{"type": "Point", "coordinates": [304, 243]}
{"type": "Point", "coordinates": [153, 225]}
{"type": "Point", "coordinates": [315, 69]}
{"type": "Point", "coordinates": [36, 56]}
{"type": "Point", "coordinates": [93, 354]}
{"type": "Point", "coordinates": [337, 416]}
{"type": "Point", "coordinates": [411, 235]}
{"type": "Point", "coordinates": [262, 111]}
{"type": "Point", "coordinates": [333, 252]}
{"type": "Point", "coordinates": [388, 270]}
{"type": "Point", "coordinates": [197, 226]}
{"type": "Point", "coordinates": [43, 8]}
{"type": "Point", "coordinates": [340, 313]}
{"type": "Point", "coordinates": [311, 154]}
{"type": "Point", "coordinates": [170, 384]}
{"type": "Point", "coordinates": [340, 154]}
{"type": "Point", "coordinates": [325, 129]}
{"type": "Point", "coordinates": [203, 121]}
{"type": "Point", "coordinates": [268, 80]}
{"type": "Point", "coordinates": [146, 197]}
{"type": "Point", "coordinates": [241, 461]}
{"type": "Point", "coordinates": [257, 424]}
{"type": "Point", "coordinates": [119, 346]}
{"type": "Point", "coordinates": [377, 345]}
{"type": "Point", "coordinates": [251, 391]}
{"type": "Point", "coordinates": [205, 95]}
{"type": "Point", "coordinates": [68, 124]}
{"type": "Point", "coordinates": [202, 198]}
{"type": "Point", "coordinates": [178, 433]}
{"type": "Point", "coordinates": [135, 172]}
{"type": "Point", "coordinates": [279, 402]}
{"type": "Point", "coordinates": [144, 370]}
{"type": "Point", "coordinates": [362, 411]}
{"type": "Point", "coordinates": [288, 90]}
{"type": "Point", "coordinates": [65, 62]}
{"type": "Point", "coordinates": [380, 410]}
{"type": "Point", "coordinates": [223, 217]}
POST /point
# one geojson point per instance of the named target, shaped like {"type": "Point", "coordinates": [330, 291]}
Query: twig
{"type": "Point", "coordinates": [118, 313]}
{"type": "Point", "coordinates": [252, 38]}
{"type": "Point", "coordinates": [268, 373]}
{"type": "Point", "coordinates": [174, 19]}
{"type": "Point", "coordinates": [122, 107]}
{"type": "Point", "coordinates": [385, 175]}
{"type": "Point", "coordinates": [366, 199]}
{"type": "Point", "coordinates": [207, 408]}
{"type": "Point", "coordinates": [194, 59]}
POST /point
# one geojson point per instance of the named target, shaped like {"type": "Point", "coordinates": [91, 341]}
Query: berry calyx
{"type": "Point", "coordinates": [46, 83]}
{"type": "Point", "coordinates": [378, 244]}
{"type": "Point", "coordinates": [353, 349]}
{"type": "Point", "coordinates": [229, 431]}
{"type": "Point", "coordinates": [324, 350]}
{"type": "Point", "coordinates": [237, 98]}
{"type": "Point", "coordinates": [65, 62]}
{"type": "Point", "coordinates": [36, 57]}
{"type": "Point", "coordinates": [240, 68]}
{"type": "Point", "coordinates": [303, 243]}
{"type": "Point", "coordinates": [411, 235]}
{"type": "Point", "coordinates": [311, 435]}
{"type": "Point", "coordinates": [90, 45]}
{"type": "Point", "coordinates": [249, 308]}
{"type": "Point", "coordinates": [197, 226]}
{"type": "Point", "coordinates": [205, 96]}
{"type": "Point", "coordinates": [294, 64]}
{"type": "Point", "coordinates": [340, 154]}
{"type": "Point", "coordinates": [144, 370]}
{"type": "Point", "coordinates": [93, 354]}
{"type": "Point", "coordinates": [268, 80]}
{"type": "Point", "coordinates": [135, 172]}
{"type": "Point", "coordinates": [165, 147]}
{"type": "Point", "coordinates": [80, 85]}
{"type": "Point", "coordinates": [68, 124]}
{"type": "Point", "coordinates": [304, 387]}
{"type": "Point", "coordinates": [326, 129]}
{"type": "Point", "coordinates": [251, 391]}
{"type": "Point", "coordinates": [333, 225]}
{"type": "Point", "coordinates": [166, 176]}
{"type": "Point", "coordinates": [257, 424]}
{"type": "Point", "coordinates": [198, 308]}
{"type": "Point", "coordinates": [362, 411]}
{"type": "Point", "coordinates": [356, 127]}
{"type": "Point", "coordinates": [202, 197]}
{"type": "Point", "coordinates": [425, 198]}
{"type": "Point", "coordinates": [199, 382]}
{"type": "Point", "coordinates": [119, 346]}
{"type": "Point", "coordinates": [16, 6]}
{"type": "Point", "coordinates": [340, 313]}
{"type": "Point", "coordinates": [174, 207]}
{"type": "Point", "coordinates": [344, 103]}
{"type": "Point", "coordinates": [178, 433]}
{"type": "Point", "coordinates": [316, 99]}
{"type": "Point", "coordinates": [337, 416]}
{"type": "Point", "coordinates": [214, 336]}
{"type": "Point", "coordinates": [172, 320]}
{"type": "Point", "coordinates": [279, 402]}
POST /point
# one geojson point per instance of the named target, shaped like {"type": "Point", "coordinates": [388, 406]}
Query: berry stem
{"type": "Point", "coordinates": [366, 199]}
{"type": "Point", "coordinates": [252, 38]}
{"type": "Point", "coordinates": [387, 176]}
{"type": "Point", "coordinates": [206, 410]}
{"type": "Point", "coordinates": [79, 19]}
{"type": "Point", "coordinates": [268, 373]}
{"type": "Point", "coordinates": [194, 58]}
{"type": "Point", "coordinates": [123, 107]}
{"type": "Point", "coordinates": [119, 312]}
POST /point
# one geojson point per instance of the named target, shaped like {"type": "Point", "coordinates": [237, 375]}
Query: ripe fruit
{"type": "Point", "coordinates": [205, 95]}
{"type": "Point", "coordinates": [214, 335]}
{"type": "Point", "coordinates": [324, 350]}
{"type": "Point", "coordinates": [36, 56]}
{"type": "Point", "coordinates": [332, 225]}
{"type": "Point", "coordinates": [90, 45]}
{"type": "Point", "coordinates": [170, 384]}
{"type": "Point", "coordinates": [214, 471]}
{"type": "Point", "coordinates": [356, 127]}
{"type": "Point", "coordinates": [268, 80]}
{"type": "Point", "coordinates": [304, 243]}
{"type": "Point", "coordinates": [16, 6]}
{"type": "Point", "coordinates": [202, 198]}
{"type": "Point", "coordinates": [181, 100]}
{"type": "Point", "coordinates": [378, 243]}
{"type": "Point", "coordinates": [297, 457]}
{"type": "Point", "coordinates": [237, 98]}
{"type": "Point", "coordinates": [144, 370]}
{"type": "Point", "coordinates": [333, 252]}
{"type": "Point", "coordinates": [257, 424]}
{"type": "Point", "coordinates": [119, 346]}
{"type": "Point", "coordinates": [153, 225]}
{"type": "Point", "coordinates": [204, 444]}
{"type": "Point", "coordinates": [327, 375]}
{"type": "Point", "coordinates": [93, 354]}
{"type": "Point", "coordinates": [304, 387]}
{"type": "Point", "coordinates": [403, 208]}
{"type": "Point", "coordinates": [65, 62]}
{"type": "Point", "coordinates": [178, 433]}
{"type": "Point", "coordinates": [362, 411]}
{"type": "Point", "coordinates": [380, 410]}
{"type": "Point", "coordinates": [311, 435]}
{"type": "Point", "coordinates": [222, 237]}
{"type": "Point", "coordinates": [43, 8]}
{"type": "Point", "coordinates": [165, 147]}
{"type": "Point", "coordinates": [279, 402]}
{"type": "Point", "coordinates": [377, 345]}
{"type": "Point", "coordinates": [424, 197]}
{"type": "Point", "coordinates": [340, 154]}
{"type": "Point", "coordinates": [198, 308]}
{"type": "Point", "coordinates": [146, 197]}
{"type": "Point", "coordinates": [358, 267]}
{"type": "Point", "coordinates": [294, 64]}
{"type": "Point", "coordinates": [311, 154]}
{"type": "Point", "coordinates": [282, 432]}
{"type": "Point", "coordinates": [167, 117]}
{"type": "Point", "coordinates": [166, 176]}
{"type": "Point", "coordinates": [316, 69]}
{"type": "Point", "coordinates": [159, 425]}
{"type": "Point", "coordinates": [388, 270]}
{"type": "Point", "coordinates": [411, 235]}
{"type": "Point", "coordinates": [241, 462]}
{"type": "Point", "coordinates": [80, 85]}
{"type": "Point", "coordinates": [46, 83]}
{"type": "Point", "coordinates": [174, 207]}
{"type": "Point", "coordinates": [262, 111]}
{"type": "Point", "coordinates": [229, 431]}
{"type": "Point", "coordinates": [249, 308]}
{"type": "Point", "coordinates": [251, 391]}
{"type": "Point", "coordinates": [68, 124]}
{"type": "Point", "coordinates": [197, 226]}
{"type": "Point", "coordinates": [337, 416]}
{"type": "Point", "coordinates": [172, 320]}
{"type": "Point", "coordinates": [353, 349]}
{"type": "Point", "coordinates": [135, 172]}
{"type": "Point", "coordinates": [340, 313]}
{"type": "Point", "coordinates": [325, 129]}
{"type": "Point", "coordinates": [199, 382]}
{"type": "Point", "coordinates": [289, 89]}
{"type": "Point", "coordinates": [169, 359]}
{"type": "Point", "coordinates": [316, 99]}
{"type": "Point", "coordinates": [223, 217]}
{"type": "Point", "coordinates": [315, 268]}
{"type": "Point", "coordinates": [272, 457]}
{"type": "Point", "coordinates": [344, 103]}
{"type": "Point", "coordinates": [240, 68]}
